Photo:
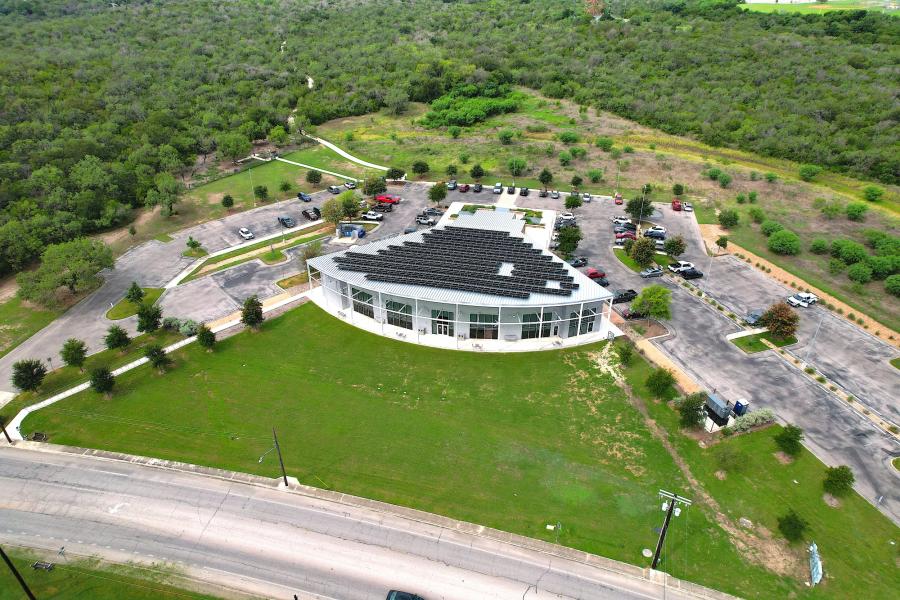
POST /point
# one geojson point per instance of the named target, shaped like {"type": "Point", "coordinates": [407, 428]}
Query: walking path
{"type": "Point", "coordinates": [345, 154]}
{"type": "Point", "coordinates": [310, 167]}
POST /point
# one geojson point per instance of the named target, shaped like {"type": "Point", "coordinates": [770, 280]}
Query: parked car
{"type": "Point", "coordinates": [383, 207]}
{"type": "Point", "coordinates": [626, 235]}
{"type": "Point", "coordinates": [688, 207]}
{"type": "Point", "coordinates": [432, 212]}
{"type": "Point", "coordinates": [625, 227]}
{"type": "Point", "coordinates": [373, 216]}
{"type": "Point", "coordinates": [511, 189]}
{"type": "Point", "coordinates": [564, 224]}
{"type": "Point", "coordinates": [554, 244]}
{"type": "Point", "coordinates": [464, 188]}
{"type": "Point", "coordinates": [691, 274]}
{"type": "Point", "coordinates": [577, 261]}
{"type": "Point", "coordinates": [601, 281]}
{"type": "Point", "coordinates": [660, 245]}
{"type": "Point", "coordinates": [554, 195]}
{"type": "Point", "coordinates": [593, 273]}
{"type": "Point", "coordinates": [411, 229]}
{"type": "Point", "coordinates": [586, 197]}
{"type": "Point", "coordinates": [754, 317]}
{"type": "Point", "coordinates": [630, 315]}
{"type": "Point", "coordinates": [524, 191]}
{"type": "Point", "coordinates": [387, 199]}
{"type": "Point", "coordinates": [304, 197]}
{"type": "Point", "coordinates": [657, 228]}
{"type": "Point", "coordinates": [498, 188]}
{"type": "Point", "coordinates": [397, 595]}
{"type": "Point", "coordinates": [542, 193]}
{"type": "Point", "coordinates": [620, 296]}
{"type": "Point", "coordinates": [652, 272]}
{"type": "Point", "coordinates": [423, 220]}
{"type": "Point", "coordinates": [621, 220]}
{"type": "Point", "coordinates": [286, 221]}
{"type": "Point", "coordinates": [350, 185]}
{"type": "Point", "coordinates": [245, 233]}
{"type": "Point", "coordinates": [618, 199]}
{"type": "Point", "coordinates": [334, 189]}
{"type": "Point", "coordinates": [312, 214]}
{"type": "Point", "coordinates": [803, 299]}
{"type": "Point", "coordinates": [451, 185]}
{"type": "Point", "coordinates": [477, 188]}
{"type": "Point", "coordinates": [654, 234]}
{"type": "Point", "coordinates": [680, 266]}
{"type": "Point", "coordinates": [676, 204]}
{"type": "Point", "coordinates": [566, 216]}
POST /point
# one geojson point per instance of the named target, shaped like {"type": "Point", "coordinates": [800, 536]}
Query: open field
{"type": "Point", "coordinates": [124, 308]}
{"type": "Point", "coordinates": [824, 7]}
{"type": "Point", "coordinates": [77, 579]}
{"type": "Point", "coordinates": [19, 321]}
{"type": "Point", "coordinates": [513, 441]}
{"type": "Point", "coordinates": [753, 343]}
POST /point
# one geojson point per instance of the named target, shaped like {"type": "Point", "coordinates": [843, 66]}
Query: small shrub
{"type": "Point", "coordinates": [741, 198]}
{"type": "Point", "coordinates": [821, 379]}
{"type": "Point", "coordinates": [892, 285]}
{"type": "Point", "coordinates": [771, 177]}
{"type": "Point", "coordinates": [625, 352]}
{"type": "Point", "coordinates": [856, 211]}
{"type": "Point", "coordinates": [792, 526]}
{"type": "Point", "coordinates": [809, 172]}
{"type": "Point", "coordinates": [660, 382]}
{"type": "Point", "coordinates": [757, 215]}
{"type": "Point", "coordinates": [769, 227]}
{"type": "Point", "coordinates": [789, 440]}
{"type": "Point", "coordinates": [809, 370]}
{"type": "Point", "coordinates": [819, 246]}
{"type": "Point", "coordinates": [604, 143]}
{"type": "Point", "coordinates": [752, 197]}
{"type": "Point", "coordinates": [836, 266]}
{"type": "Point", "coordinates": [753, 419]}
{"type": "Point", "coordinates": [728, 218]}
{"type": "Point", "coordinates": [838, 480]}
{"type": "Point", "coordinates": [860, 273]}
{"type": "Point", "coordinates": [784, 242]}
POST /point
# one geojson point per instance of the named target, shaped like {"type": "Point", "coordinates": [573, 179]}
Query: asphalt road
{"type": "Point", "coordinates": [276, 543]}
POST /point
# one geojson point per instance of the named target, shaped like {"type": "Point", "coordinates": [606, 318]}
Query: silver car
{"type": "Point", "coordinates": [652, 272]}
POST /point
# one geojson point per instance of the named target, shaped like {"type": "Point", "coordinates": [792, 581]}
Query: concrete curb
{"type": "Point", "coordinates": [660, 578]}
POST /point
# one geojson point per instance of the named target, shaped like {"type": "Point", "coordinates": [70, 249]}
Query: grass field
{"type": "Point", "coordinates": [19, 321]}
{"type": "Point", "coordinates": [88, 580]}
{"type": "Point", "coordinates": [753, 343]}
{"type": "Point", "coordinates": [508, 441]}
{"type": "Point", "coordinates": [819, 8]}
{"type": "Point", "coordinates": [124, 308]}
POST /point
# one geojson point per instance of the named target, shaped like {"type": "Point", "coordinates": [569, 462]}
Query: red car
{"type": "Point", "coordinates": [676, 204]}
{"type": "Point", "coordinates": [387, 199]}
{"type": "Point", "coordinates": [594, 273]}
{"type": "Point", "coordinates": [619, 199]}
{"type": "Point", "coordinates": [464, 188]}
{"type": "Point", "coordinates": [626, 235]}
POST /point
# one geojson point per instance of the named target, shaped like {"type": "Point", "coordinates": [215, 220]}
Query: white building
{"type": "Point", "coordinates": [480, 280]}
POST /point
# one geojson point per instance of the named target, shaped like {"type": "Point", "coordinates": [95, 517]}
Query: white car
{"type": "Point", "coordinates": [620, 220]}
{"type": "Point", "coordinates": [586, 197]}
{"type": "Point", "coordinates": [567, 216]}
{"type": "Point", "coordinates": [804, 299]}
{"type": "Point", "coordinates": [498, 188]}
{"type": "Point", "coordinates": [680, 266]}
{"type": "Point", "coordinates": [245, 233]}
{"type": "Point", "coordinates": [687, 207]}
{"type": "Point", "coordinates": [373, 216]}
{"type": "Point", "coordinates": [423, 220]}
{"type": "Point", "coordinates": [350, 185]}
{"type": "Point", "coordinates": [656, 228]}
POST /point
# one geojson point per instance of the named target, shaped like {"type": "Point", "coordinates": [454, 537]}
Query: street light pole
{"type": "Point", "coordinates": [280, 460]}
{"type": "Point", "coordinates": [809, 348]}
{"type": "Point", "coordinates": [673, 499]}
{"type": "Point", "coordinates": [18, 577]}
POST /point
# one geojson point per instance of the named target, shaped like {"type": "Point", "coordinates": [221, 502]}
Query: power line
{"type": "Point", "coordinates": [16, 574]}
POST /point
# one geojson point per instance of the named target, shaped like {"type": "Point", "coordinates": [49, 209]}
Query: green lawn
{"type": "Point", "coordinates": [896, 362]}
{"type": "Point", "coordinates": [124, 308]}
{"type": "Point", "coordinates": [19, 321]}
{"type": "Point", "coordinates": [194, 253]}
{"type": "Point", "coordinates": [822, 7]}
{"type": "Point", "coordinates": [659, 259]}
{"type": "Point", "coordinates": [753, 343]}
{"type": "Point", "coordinates": [88, 580]}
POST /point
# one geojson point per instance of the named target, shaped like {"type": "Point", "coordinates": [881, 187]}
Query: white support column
{"type": "Point", "coordinates": [499, 320]}
{"type": "Point", "coordinates": [383, 309]}
{"type": "Point", "coordinates": [418, 335]}
{"type": "Point", "coordinates": [541, 323]}
{"type": "Point", "coordinates": [455, 321]}
{"type": "Point", "coordinates": [580, 317]}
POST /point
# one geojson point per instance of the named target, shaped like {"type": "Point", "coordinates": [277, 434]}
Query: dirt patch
{"type": "Point", "coordinates": [215, 198]}
{"type": "Point", "coordinates": [783, 458]}
{"type": "Point", "coordinates": [721, 475]}
{"type": "Point", "coordinates": [121, 233]}
{"type": "Point", "coordinates": [831, 500]}
{"type": "Point", "coordinates": [8, 288]}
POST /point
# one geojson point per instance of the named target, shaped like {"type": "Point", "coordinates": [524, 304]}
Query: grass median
{"type": "Point", "coordinates": [754, 343]}
{"type": "Point", "coordinates": [125, 308]}
{"type": "Point", "coordinates": [660, 260]}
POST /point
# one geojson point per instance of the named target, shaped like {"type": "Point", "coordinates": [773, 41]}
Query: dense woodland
{"type": "Point", "coordinates": [103, 105]}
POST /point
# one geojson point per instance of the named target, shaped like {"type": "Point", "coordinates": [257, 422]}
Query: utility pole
{"type": "Point", "coordinates": [5, 433]}
{"type": "Point", "coordinates": [280, 460]}
{"type": "Point", "coordinates": [673, 499]}
{"type": "Point", "coordinates": [18, 577]}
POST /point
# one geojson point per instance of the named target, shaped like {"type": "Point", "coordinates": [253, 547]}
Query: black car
{"type": "Point", "coordinates": [624, 228]}
{"type": "Point", "coordinates": [691, 274]}
{"type": "Point", "coordinates": [564, 224]}
{"type": "Point", "coordinates": [312, 214]}
{"type": "Point", "coordinates": [477, 188]}
{"type": "Point", "coordinates": [577, 261]}
{"type": "Point", "coordinates": [286, 221]}
{"type": "Point", "coordinates": [524, 191]}
{"type": "Point", "coordinates": [432, 212]}
{"type": "Point", "coordinates": [542, 194]}
{"type": "Point", "coordinates": [620, 296]}
{"type": "Point", "coordinates": [511, 189]}
{"type": "Point", "coordinates": [396, 595]}
{"type": "Point", "coordinates": [629, 314]}
{"type": "Point", "coordinates": [304, 197]}
{"type": "Point", "coordinates": [657, 235]}
{"type": "Point", "coordinates": [601, 281]}
{"type": "Point", "coordinates": [383, 207]}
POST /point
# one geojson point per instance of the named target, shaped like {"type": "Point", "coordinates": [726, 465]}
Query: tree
{"type": "Point", "coordinates": [233, 145]}
{"type": "Point", "coordinates": [74, 264]}
{"type": "Point", "coordinates": [205, 337]}
{"type": "Point", "coordinates": [437, 192]}
{"type": "Point", "coordinates": [314, 177]}
{"type": "Point", "coordinates": [565, 158]}
{"type": "Point", "coordinates": [781, 320]}
{"type": "Point", "coordinates": [692, 410]}
{"type": "Point", "coordinates": [393, 173]}
{"type": "Point", "coordinates": [102, 381]}
{"type": "Point", "coordinates": [516, 166]}
{"type": "Point", "coordinates": [595, 175]}
{"type": "Point", "coordinates": [638, 207]}
{"type": "Point", "coordinates": [420, 167]}
{"type": "Point", "coordinates": [252, 312]}
{"type": "Point", "coordinates": [626, 353]}
{"type": "Point", "coordinates": [452, 170]}
{"type": "Point", "coordinates": [135, 293]}
{"type": "Point", "coordinates": [675, 246]}
{"type": "Point", "coordinates": [784, 242]}
{"type": "Point", "coordinates": [506, 136]}
{"type": "Point", "coordinates": [149, 317]}
{"type": "Point", "coordinates": [728, 218]}
{"type": "Point", "coordinates": [28, 374]}
{"type": "Point", "coordinates": [856, 211]}
{"type": "Point", "coordinates": [372, 186]}
{"type": "Point", "coordinates": [349, 204]}
{"type": "Point", "coordinates": [545, 176]}
{"type": "Point", "coordinates": [660, 382]}
{"type": "Point", "coordinates": [769, 227]}
{"type": "Point", "coordinates": [872, 193]}
{"type": "Point", "coordinates": [278, 135]}
{"type": "Point", "coordinates": [838, 480]}
{"type": "Point", "coordinates": [576, 181]}
{"type": "Point", "coordinates": [655, 301]}
{"type": "Point", "coordinates": [724, 179]}
{"type": "Point", "coordinates": [809, 172]}
{"type": "Point", "coordinates": [573, 201]}
{"type": "Point", "coordinates": [568, 239]}
{"type": "Point", "coordinates": [642, 251]}
{"type": "Point", "coordinates": [227, 201]}
{"type": "Point", "coordinates": [789, 440]}
{"type": "Point", "coordinates": [192, 244]}
{"type": "Point", "coordinates": [792, 526]}
{"type": "Point", "coordinates": [678, 189]}
{"type": "Point", "coordinates": [285, 186]}
{"type": "Point", "coordinates": [158, 358]}
{"type": "Point", "coordinates": [74, 353]}
{"type": "Point", "coordinates": [860, 273]}
{"type": "Point", "coordinates": [261, 192]}
{"type": "Point", "coordinates": [116, 338]}
{"type": "Point", "coordinates": [332, 211]}
{"type": "Point", "coordinates": [396, 100]}
{"type": "Point", "coordinates": [477, 172]}
{"type": "Point", "coordinates": [310, 251]}
{"type": "Point", "coordinates": [722, 242]}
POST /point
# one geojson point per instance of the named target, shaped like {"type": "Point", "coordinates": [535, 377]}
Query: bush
{"type": "Point", "coordinates": [838, 480]}
{"type": "Point", "coordinates": [506, 136]}
{"type": "Point", "coordinates": [595, 175]}
{"type": "Point", "coordinates": [565, 158]}
{"type": "Point", "coordinates": [187, 327]}
{"type": "Point", "coordinates": [741, 198]}
{"type": "Point", "coordinates": [892, 285]}
{"type": "Point", "coordinates": [757, 215]}
{"type": "Point", "coordinates": [872, 193]}
{"type": "Point", "coordinates": [849, 251]}
{"type": "Point", "coordinates": [784, 242]}
{"type": "Point", "coordinates": [102, 380]}
{"type": "Point", "coordinates": [713, 173]}
{"type": "Point", "coordinates": [205, 337]}
{"type": "Point", "coordinates": [171, 323]}
{"type": "Point", "coordinates": [809, 172]}
{"type": "Point", "coordinates": [392, 173]}
{"type": "Point", "coordinates": [28, 374]}
{"type": "Point", "coordinates": [454, 131]}
{"type": "Point", "coordinates": [678, 189]}
{"type": "Point", "coordinates": [261, 192]}
{"type": "Point", "coordinates": [477, 171]}
{"type": "Point", "coordinates": [116, 338]}
{"type": "Point", "coordinates": [753, 419]}
{"type": "Point", "coordinates": [860, 273]}
{"type": "Point", "coordinates": [769, 227]}
{"type": "Point", "coordinates": [227, 201]}
{"type": "Point", "coordinates": [691, 410]}
{"type": "Point", "coordinates": [625, 353]}
{"type": "Point", "coordinates": [792, 526]}
{"type": "Point", "coordinates": [728, 218]}
{"type": "Point", "coordinates": [660, 382]}
{"type": "Point", "coordinates": [819, 246]}
{"type": "Point", "coordinates": [569, 137]}
{"type": "Point", "coordinates": [578, 152]}
{"type": "Point", "coordinates": [789, 440]}
{"type": "Point", "coordinates": [576, 180]}
{"type": "Point", "coordinates": [285, 186]}
{"type": "Point", "coordinates": [516, 166]}
{"type": "Point", "coordinates": [771, 177]}
{"type": "Point", "coordinates": [420, 167]}
{"type": "Point", "coordinates": [836, 266]}
{"type": "Point", "coordinates": [752, 197]}
{"type": "Point", "coordinates": [832, 209]}
{"type": "Point", "coordinates": [856, 211]}
{"type": "Point", "coordinates": [604, 143]}
{"type": "Point", "coordinates": [724, 179]}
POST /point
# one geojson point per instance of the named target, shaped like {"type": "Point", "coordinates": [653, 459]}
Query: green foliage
{"type": "Point", "coordinates": [848, 251]}
{"type": "Point", "coordinates": [625, 352]}
{"type": "Point", "coordinates": [191, 243]}
{"type": "Point", "coordinates": [741, 198]}
{"type": "Point", "coordinates": [396, 101]}
{"type": "Point", "coordinates": [455, 131]}
{"type": "Point", "coordinates": [832, 209]}
{"type": "Point", "coordinates": [836, 266]}
{"type": "Point", "coordinates": [565, 158]}
{"type": "Point", "coordinates": [578, 152]}
{"type": "Point", "coordinates": [116, 338]}
{"type": "Point", "coordinates": [233, 145]}
{"type": "Point", "coordinates": [205, 337]}
{"type": "Point", "coordinates": [604, 143]}
{"type": "Point", "coordinates": [278, 136]}
{"type": "Point", "coordinates": [819, 246]}
{"type": "Point", "coordinates": [315, 177]}
{"type": "Point", "coordinates": [437, 192]}
{"type": "Point", "coordinates": [728, 218]}
{"type": "Point", "coordinates": [228, 200]}
{"type": "Point", "coordinates": [28, 374]}
{"type": "Point", "coordinates": [730, 459]}
{"type": "Point", "coordinates": [393, 173]}
{"type": "Point", "coordinates": [856, 211]}
{"type": "Point", "coordinates": [722, 242]}
{"type": "Point", "coordinates": [713, 173]}
{"type": "Point", "coordinates": [860, 273]}
{"type": "Point", "coordinates": [675, 246]}
{"type": "Point", "coordinates": [568, 239]}
{"type": "Point", "coordinates": [691, 410]}
{"type": "Point", "coordinates": [74, 265]}
{"type": "Point", "coordinates": [252, 312]}
{"type": "Point", "coordinates": [872, 193]}
{"type": "Point", "coordinates": [789, 440]}
{"type": "Point", "coordinates": [149, 317]}
{"type": "Point", "coordinates": [573, 201]}
{"type": "Point", "coordinates": [576, 181]}
{"type": "Point", "coordinates": [102, 380]}
{"type": "Point", "coordinates": [781, 320]}
{"type": "Point", "coordinates": [261, 192]}
{"type": "Point", "coordinates": [470, 104]}
{"type": "Point", "coordinates": [374, 185]}
{"type": "Point", "coordinates": [757, 215]}
{"type": "Point", "coordinates": [349, 204]}
{"type": "Point", "coordinates": [516, 166]}
{"type": "Point", "coordinates": [545, 176]}
{"type": "Point", "coordinates": [838, 480]}
{"type": "Point", "coordinates": [74, 352]}
{"type": "Point", "coordinates": [569, 137]}
{"type": "Point", "coordinates": [452, 170]}
{"type": "Point", "coordinates": [770, 227]}
{"type": "Point", "coordinates": [157, 357]}
{"type": "Point", "coordinates": [655, 301]}
{"type": "Point", "coordinates": [637, 208]}
{"type": "Point", "coordinates": [678, 189]}
{"type": "Point", "coordinates": [332, 211]}
{"type": "Point", "coordinates": [643, 251]}
{"type": "Point", "coordinates": [285, 186]}
{"type": "Point", "coordinates": [809, 172]}
{"type": "Point", "coordinates": [724, 179]}
{"type": "Point", "coordinates": [752, 197]}
{"type": "Point", "coordinates": [477, 171]}
{"type": "Point", "coordinates": [883, 266]}
{"type": "Point", "coordinates": [660, 382]}
{"type": "Point", "coordinates": [595, 175]}
{"type": "Point", "coordinates": [420, 167]}
{"type": "Point", "coordinates": [892, 285]}
{"type": "Point", "coordinates": [135, 293]}
{"type": "Point", "coordinates": [506, 136]}
{"type": "Point", "coordinates": [792, 526]}
{"type": "Point", "coordinates": [784, 242]}
{"type": "Point", "coordinates": [771, 177]}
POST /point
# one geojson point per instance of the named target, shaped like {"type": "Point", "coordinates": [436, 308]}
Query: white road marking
{"type": "Point", "coordinates": [114, 509]}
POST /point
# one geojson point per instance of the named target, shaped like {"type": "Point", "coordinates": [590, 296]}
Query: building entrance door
{"type": "Point", "coordinates": [443, 328]}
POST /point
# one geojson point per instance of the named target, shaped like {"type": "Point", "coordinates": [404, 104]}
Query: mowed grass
{"type": "Point", "coordinates": [822, 7]}
{"type": "Point", "coordinates": [753, 343]}
{"type": "Point", "coordinates": [88, 580]}
{"type": "Point", "coordinates": [19, 321]}
{"type": "Point", "coordinates": [124, 308]}
{"type": "Point", "coordinates": [660, 260]}
{"type": "Point", "coordinates": [512, 441]}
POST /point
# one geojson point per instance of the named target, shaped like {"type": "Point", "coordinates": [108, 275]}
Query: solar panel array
{"type": "Point", "coordinates": [465, 259]}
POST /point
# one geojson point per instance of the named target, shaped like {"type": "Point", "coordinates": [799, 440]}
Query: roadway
{"type": "Point", "coordinates": [255, 538]}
